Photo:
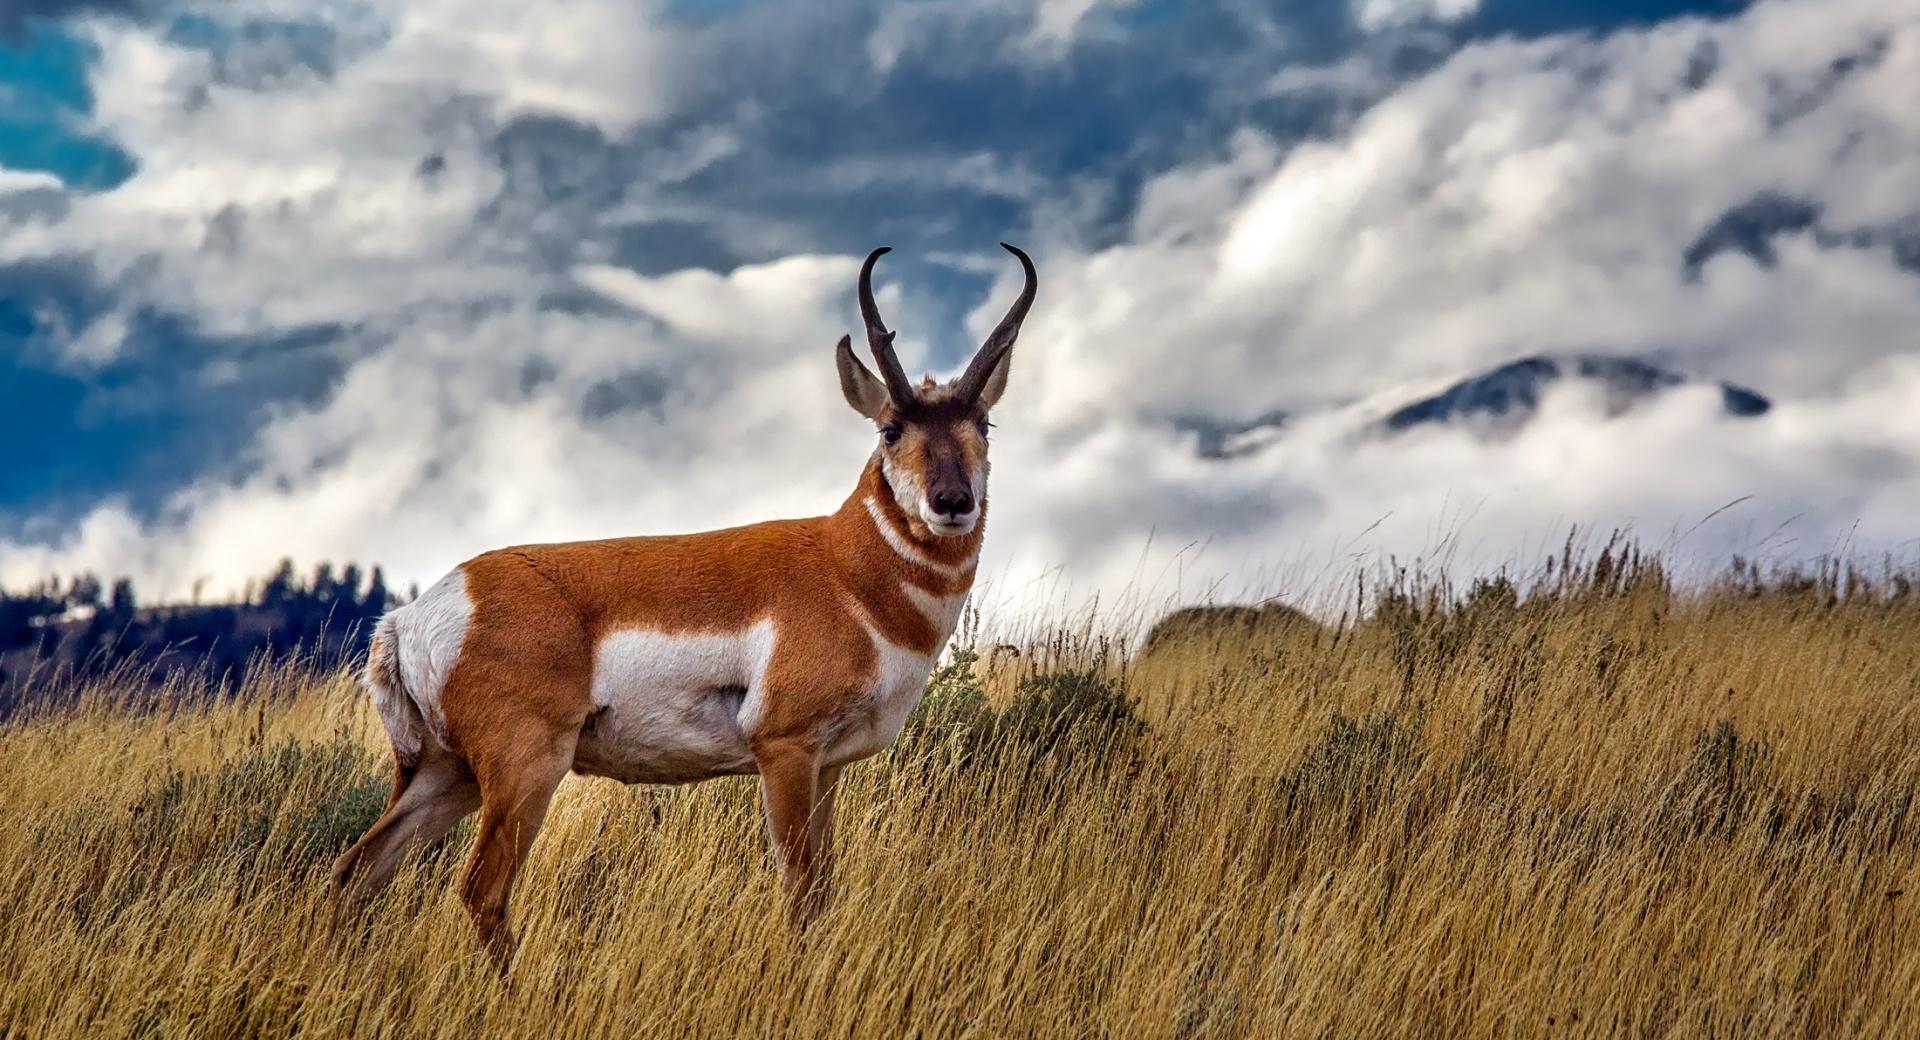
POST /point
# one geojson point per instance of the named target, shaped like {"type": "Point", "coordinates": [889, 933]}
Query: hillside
{"type": "Point", "coordinates": [1592, 803]}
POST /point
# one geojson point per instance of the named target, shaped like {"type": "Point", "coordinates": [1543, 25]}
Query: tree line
{"type": "Point", "coordinates": [55, 631]}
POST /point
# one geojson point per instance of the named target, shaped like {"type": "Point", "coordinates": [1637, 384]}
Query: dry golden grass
{"type": "Point", "coordinates": [1611, 809]}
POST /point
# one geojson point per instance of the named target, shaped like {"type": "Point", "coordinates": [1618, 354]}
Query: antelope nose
{"type": "Point", "coordinates": [953, 503]}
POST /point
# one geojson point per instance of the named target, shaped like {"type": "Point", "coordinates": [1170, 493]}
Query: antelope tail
{"type": "Point", "coordinates": [398, 712]}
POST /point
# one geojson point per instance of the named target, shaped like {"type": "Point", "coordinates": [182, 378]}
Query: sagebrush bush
{"type": "Point", "coordinates": [1357, 760]}
{"type": "Point", "coordinates": [1075, 712]}
{"type": "Point", "coordinates": [292, 799]}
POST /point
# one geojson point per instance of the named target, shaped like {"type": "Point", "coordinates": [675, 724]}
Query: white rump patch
{"type": "Point", "coordinates": [430, 632]}
{"type": "Point", "coordinates": [398, 714]}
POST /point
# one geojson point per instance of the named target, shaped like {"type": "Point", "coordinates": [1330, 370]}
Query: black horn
{"type": "Point", "coordinates": [879, 340]}
{"type": "Point", "coordinates": [995, 349]}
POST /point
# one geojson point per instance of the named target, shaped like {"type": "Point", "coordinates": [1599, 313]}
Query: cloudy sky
{"type": "Point", "coordinates": [403, 281]}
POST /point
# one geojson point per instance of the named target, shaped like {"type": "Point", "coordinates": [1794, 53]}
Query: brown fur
{"type": "Point", "coordinates": [518, 696]}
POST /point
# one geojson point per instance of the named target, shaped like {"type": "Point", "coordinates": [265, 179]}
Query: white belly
{"type": "Point", "coordinates": [672, 708]}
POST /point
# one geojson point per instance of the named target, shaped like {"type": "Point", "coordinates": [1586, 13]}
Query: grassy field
{"type": "Point", "coordinates": [1599, 805]}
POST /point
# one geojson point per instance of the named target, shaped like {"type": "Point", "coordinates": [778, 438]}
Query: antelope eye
{"type": "Point", "coordinates": [890, 433]}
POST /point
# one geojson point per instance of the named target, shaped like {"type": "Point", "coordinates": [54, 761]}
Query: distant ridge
{"type": "Point", "coordinates": [1511, 392]}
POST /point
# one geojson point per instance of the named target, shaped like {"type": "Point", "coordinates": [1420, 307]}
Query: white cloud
{"type": "Point", "coordinates": [1374, 15]}
{"type": "Point", "coordinates": [752, 311]}
{"type": "Point", "coordinates": [1523, 197]}
{"type": "Point", "coordinates": [605, 62]}
{"type": "Point", "coordinates": [12, 181]}
{"type": "Point", "coordinates": [1052, 28]}
{"type": "Point", "coordinates": [435, 447]}
{"type": "Point", "coordinates": [1057, 22]}
{"type": "Point", "coordinates": [310, 199]}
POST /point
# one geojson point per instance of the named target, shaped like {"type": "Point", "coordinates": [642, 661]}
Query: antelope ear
{"type": "Point", "coordinates": [996, 383]}
{"type": "Point", "coordinates": [863, 390]}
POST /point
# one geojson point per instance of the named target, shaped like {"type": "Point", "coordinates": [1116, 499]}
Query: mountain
{"type": "Point", "coordinates": [1510, 394]}
{"type": "Point", "coordinates": [1222, 438]}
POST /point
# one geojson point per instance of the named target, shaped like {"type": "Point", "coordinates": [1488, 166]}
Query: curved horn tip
{"type": "Point", "coordinates": [879, 338]}
{"type": "Point", "coordinates": [1026, 262]}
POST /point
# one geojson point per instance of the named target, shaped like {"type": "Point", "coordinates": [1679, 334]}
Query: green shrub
{"type": "Point", "coordinates": [1723, 781]}
{"type": "Point", "coordinates": [1356, 763]}
{"type": "Point", "coordinates": [293, 799]}
{"type": "Point", "coordinates": [1058, 708]}
{"type": "Point", "coordinates": [1051, 714]}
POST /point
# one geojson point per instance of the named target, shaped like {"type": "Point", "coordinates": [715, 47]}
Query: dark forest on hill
{"type": "Point", "coordinates": [83, 628]}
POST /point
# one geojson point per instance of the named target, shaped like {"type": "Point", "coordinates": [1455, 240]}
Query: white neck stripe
{"type": "Point", "coordinates": [903, 548]}
{"type": "Point", "coordinates": [942, 611]}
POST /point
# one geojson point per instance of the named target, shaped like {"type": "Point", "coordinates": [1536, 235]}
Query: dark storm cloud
{"type": "Point", "coordinates": [1754, 227]}
{"type": "Point", "coordinates": [16, 16]}
{"type": "Point", "coordinates": [1531, 17]}
{"type": "Point", "coordinates": [838, 126]}
{"type": "Point", "coordinates": [143, 422]}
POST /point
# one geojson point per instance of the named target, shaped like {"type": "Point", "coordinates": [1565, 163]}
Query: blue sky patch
{"type": "Point", "coordinates": [43, 102]}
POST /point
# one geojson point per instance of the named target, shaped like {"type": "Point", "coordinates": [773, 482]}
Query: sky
{"type": "Point", "coordinates": [400, 282]}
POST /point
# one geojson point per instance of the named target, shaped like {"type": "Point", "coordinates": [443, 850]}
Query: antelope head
{"type": "Point", "coordinates": [933, 437]}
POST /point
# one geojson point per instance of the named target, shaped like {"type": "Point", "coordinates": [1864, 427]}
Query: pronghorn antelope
{"type": "Point", "coordinates": [788, 648]}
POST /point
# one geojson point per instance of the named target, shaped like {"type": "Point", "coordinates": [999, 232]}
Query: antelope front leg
{"type": "Point", "coordinates": [820, 835]}
{"type": "Point", "coordinates": [789, 778]}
